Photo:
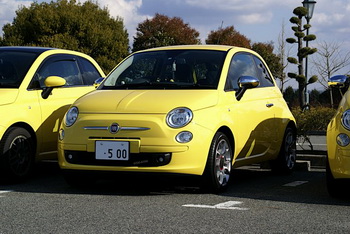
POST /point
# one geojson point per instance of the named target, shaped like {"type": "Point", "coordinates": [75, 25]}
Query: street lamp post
{"type": "Point", "coordinates": [310, 6]}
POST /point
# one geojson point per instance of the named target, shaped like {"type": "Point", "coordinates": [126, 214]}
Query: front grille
{"type": "Point", "coordinates": [140, 159]}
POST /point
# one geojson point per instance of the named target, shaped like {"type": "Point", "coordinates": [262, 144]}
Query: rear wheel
{"type": "Point", "coordinates": [286, 159]}
{"type": "Point", "coordinates": [16, 155]}
{"type": "Point", "coordinates": [218, 169]}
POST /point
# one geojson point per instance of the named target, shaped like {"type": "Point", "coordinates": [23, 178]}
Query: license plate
{"type": "Point", "coordinates": [112, 150]}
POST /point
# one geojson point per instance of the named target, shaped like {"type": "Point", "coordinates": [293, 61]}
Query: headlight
{"type": "Point", "coordinates": [343, 139]}
{"type": "Point", "coordinates": [345, 119]}
{"type": "Point", "coordinates": [71, 116]}
{"type": "Point", "coordinates": [179, 117]}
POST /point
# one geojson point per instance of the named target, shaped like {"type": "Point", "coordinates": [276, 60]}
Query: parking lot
{"type": "Point", "coordinates": [257, 201]}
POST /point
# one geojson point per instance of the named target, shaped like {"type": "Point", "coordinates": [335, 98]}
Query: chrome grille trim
{"type": "Point", "coordinates": [121, 128]}
{"type": "Point", "coordinates": [134, 129]}
{"type": "Point", "coordinates": [95, 128]}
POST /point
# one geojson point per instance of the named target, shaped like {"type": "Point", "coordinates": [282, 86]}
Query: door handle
{"type": "Point", "coordinates": [269, 105]}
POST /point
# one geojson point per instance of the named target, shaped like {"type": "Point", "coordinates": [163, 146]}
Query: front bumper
{"type": "Point", "coordinates": [152, 150]}
{"type": "Point", "coordinates": [184, 160]}
{"type": "Point", "coordinates": [338, 156]}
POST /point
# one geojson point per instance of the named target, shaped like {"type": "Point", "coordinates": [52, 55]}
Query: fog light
{"type": "Point", "coordinates": [61, 135]}
{"type": "Point", "coordinates": [184, 137]}
{"type": "Point", "coordinates": [343, 139]}
{"type": "Point", "coordinates": [160, 159]}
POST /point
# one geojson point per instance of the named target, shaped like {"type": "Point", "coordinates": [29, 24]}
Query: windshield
{"type": "Point", "coordinates": [14, 66]}
{"type": "Point", "coordinates": [169, 69]}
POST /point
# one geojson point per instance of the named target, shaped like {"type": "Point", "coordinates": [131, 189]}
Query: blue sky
{"type": "Point", "coordinates": [259, 20]}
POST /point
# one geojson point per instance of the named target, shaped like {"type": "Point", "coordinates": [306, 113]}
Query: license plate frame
{"type": "Point", "coordinates": [112, 150]}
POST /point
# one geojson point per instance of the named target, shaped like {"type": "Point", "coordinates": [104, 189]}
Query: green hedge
{"type": "Point", "coordinates": [314, 120]}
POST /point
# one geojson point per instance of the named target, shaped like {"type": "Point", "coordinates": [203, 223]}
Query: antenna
{"type": "Point", "coordinates": [220, 28]}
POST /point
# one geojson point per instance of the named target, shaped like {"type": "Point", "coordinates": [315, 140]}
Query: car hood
{"type": "Point", "coordinates": [145, 101]}
{"type": "Point", "coordinates": [8, 96]}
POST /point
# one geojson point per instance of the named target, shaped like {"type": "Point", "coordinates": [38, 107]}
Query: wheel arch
{"type": "Point", "coordinates": [227, 131]}
{"type": "Point", "coordinates": [28, 128]}
{"type": "Point", "coordinates": [292, 125]}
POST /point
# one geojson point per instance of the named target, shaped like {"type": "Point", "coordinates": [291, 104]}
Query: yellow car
{"type": "Point", "coordinates": [37, 86]}
{"type": "Point", "coordinates": [338, 142]}
{"type": "Point", "coordinates": [196, 110]}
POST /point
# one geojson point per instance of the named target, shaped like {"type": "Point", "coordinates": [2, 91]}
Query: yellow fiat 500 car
{"type": "Point", "coordinates": [37, 86]}
{"type": "Point", "coordinates": [197, 110]}
{"type": "Point", "coordinates": [338, 142]}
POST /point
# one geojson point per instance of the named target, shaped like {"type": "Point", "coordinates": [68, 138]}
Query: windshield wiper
{"type": "Point", "coordinates": [144, 84]}
{"type": "Point", "coordinates": [136, 84]}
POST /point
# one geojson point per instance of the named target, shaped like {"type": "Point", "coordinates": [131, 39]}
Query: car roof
{"type": "Point", "coordinates": [26, 49]}
{"type": "Point", "coordinates": [194, 47]}
{"type": "Point", "coordinates": [225, 48]}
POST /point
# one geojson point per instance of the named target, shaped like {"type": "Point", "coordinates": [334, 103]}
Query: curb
{"type": "Point", "coordinates": [307, 159]}
{"type": "Point", "coordinates": [304, 162]}
{"type": "Point", "coordinates": [315, 160]}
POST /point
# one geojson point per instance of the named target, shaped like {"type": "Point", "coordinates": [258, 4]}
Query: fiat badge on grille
{"type": "Point", "coordinates": [114, 128]}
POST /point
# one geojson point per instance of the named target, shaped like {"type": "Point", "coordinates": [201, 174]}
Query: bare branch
{"type": "Point", "coordinates": [330, 60]}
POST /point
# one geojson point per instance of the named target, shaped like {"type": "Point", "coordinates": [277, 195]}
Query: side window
{"type": "Point", "coordinates": [242, 64]}
{"type": "Point", "coordinates": [264, 76]}
{"type": "Point", "coordinates": [61, 66]}
{"type": "Point", "coordinates": [88, 72]}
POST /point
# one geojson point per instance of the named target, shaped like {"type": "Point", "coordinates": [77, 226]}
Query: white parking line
{"type": "Point", "coordinates": [230, 205]}
{"type": "Point", "coordinates": [295, 183]}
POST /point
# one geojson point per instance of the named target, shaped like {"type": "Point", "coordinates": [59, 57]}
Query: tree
{"type": "Point", "coordinates": [282, 55]}
{"type": "Point", "coordinates": [289, 95]}
{"type": "Point", "coordinates": [303, 52]}
{"type": "Point", "coordinates": [228, 36]}
{"type": "Point", "coordinates": [164, 31]}
{"type": "Point", "coordinates": [70, 25]}
{"type": "Point", "coordinates": [330, 60]}
{"type": "Point", "coordinates": [266, 52]}
{"type": "Point", "coordinates": [315, 97]}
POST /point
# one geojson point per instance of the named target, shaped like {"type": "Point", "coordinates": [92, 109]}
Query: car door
{"type": "Point", "coordinates": [79, 74]}
{"type": "Point", "coordinates": [252, 115]}
{"type": "Point", "coordinates": [275, 100]}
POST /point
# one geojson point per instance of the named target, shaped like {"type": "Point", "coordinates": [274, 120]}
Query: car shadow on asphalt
{"type": "Point", "coordinates": [248, 182]}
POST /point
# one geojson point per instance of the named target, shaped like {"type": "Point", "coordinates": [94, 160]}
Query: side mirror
{"type": "Point", "coordinates": [339, 81]}
{"type": "Point", "coordinates": [52, 82]}
{"type": "Point", "coordinates": [98, 81]}
{"type": "Point", "coordinates": [244, 83]}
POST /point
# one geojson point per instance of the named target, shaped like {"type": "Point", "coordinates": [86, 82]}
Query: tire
{"type": "Point", "coordinates": [17, 155]}
{"type": "Point", "coordinates": [219, 164]}
{"type": "Point", "coordinates": [286, 159]}
{"type": "Point", "coordinates": [335, 187]}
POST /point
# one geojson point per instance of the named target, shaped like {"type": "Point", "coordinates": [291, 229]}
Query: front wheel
{"type": "Point", "coordinates": [218, 169]}
{"type": "Point", "coordinates": [16, 155]}
{"type": "Point", "coordinates": [286, 159]}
